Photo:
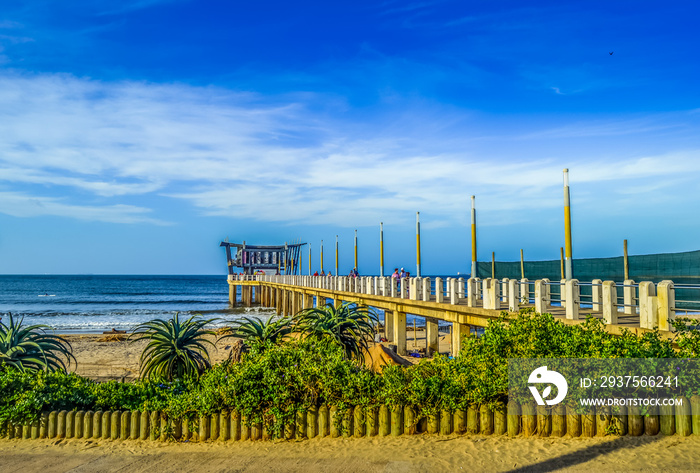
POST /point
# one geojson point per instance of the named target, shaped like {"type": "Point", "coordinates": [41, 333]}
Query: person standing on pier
{"type": "Point", "coordinates": [396, 277]}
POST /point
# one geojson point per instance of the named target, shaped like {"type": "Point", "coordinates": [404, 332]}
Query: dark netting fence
{"type": "Point", "coordinates": [681, 268]}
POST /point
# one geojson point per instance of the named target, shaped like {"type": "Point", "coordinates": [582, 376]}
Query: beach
{"type": "Point", "coordinates": [417, 453]}
{"type": "Point", "coordinates": [103, 360]}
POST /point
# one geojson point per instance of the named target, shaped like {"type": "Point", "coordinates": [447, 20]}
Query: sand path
{"type": "Point", "coordinates": [405, 454]}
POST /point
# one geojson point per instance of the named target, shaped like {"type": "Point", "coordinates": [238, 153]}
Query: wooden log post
{"type": "Point", "coordinates": [224, 425]}
{"type": "Point", "coordinates": [513, 418]}
{"type": "Point", "coordinates": [134, 425]}
{"type": "Point", "coordinates": [619, 420]}
{"type": "Point", "coordinates": [256, 431]}
{"type": "Point", "coordinates": [635, 421]}
{"type": "Point", "coordinates": [61, 433]}
{"type": "Point", "coordinates": [472, 420]}
{"type": "Point", "coordinates": [124, 425]}
{"type": "Point", "coordinates": [603, 418]}
{"type": "Point", "coordinates": [372, 416]}
{"type": "Point", "coordinates": [384, 421]}
{"type": "Point", "coordinates": [70, 424]}
{"type": "Point", "coordinates": [559, 421]}
{"type": "Point", "coordinates": [433, 425]}
{"type": "Point", "coordinates": [695, 412]}
{"type": "Point", "coordinates": [78, 423]}
{"type": "Point", "coordinates": [235, 425]}
{"type": "Point", "coordinates": [500, 420]}
{"type": "Point", "coordinates": [460, 421]}
{"type": "Point", "coordinates": [588, 424]}
{"type": "Point", "coordinates": [358, 423]}
{"type": "Point", "coordinates": [323, 421]}
{"type": "Point", "coordinates": [544, 421]}
{"type": "Point", "coordinates": [301, 424]}
{"type": "Point", "coordinates": [346, 428]}
{"type": "Point", "coordinates": [115, 424]}
{"type": "Point", "coordinates": [154, 425]}
{"type": "Point", "coordinates": [215, 426]}
{"type": "Point", "coordinates": [684, 422]}
{"type": "Point", "coordinates": [396, 421]}
{"type": "Point", "coordinates": [97, 425]}
{"type": "Point", "coordinates": [336, 422]}
{"type": "Point", "coordinates": [44, 426]}
{"type": "Point", "coordinates": [486, 420]}
{"type": "Point", "coordinates": [652, 424]}
{"type": "Point", "coordinates": [529, 418]}
{"type": "Point", "coordinates": [312, 422]}
{"type": "Point", "coordinates": [245, 429]}
{"type": "Point", "coordinates": [53, 425]}
{"type": "Point", "coordinates": [143, 426]}
{"type": "Point", "coordinates": [667, 418]}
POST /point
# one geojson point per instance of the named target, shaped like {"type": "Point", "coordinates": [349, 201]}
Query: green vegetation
{"type": "Point", "coordinates": [176, 350]}
{"type": "Point", "coordinates": [273, 381]}
{"type": "Point", "coordinates": [257, 333]}
{"type": "Point", "coordinates": [349, 327]}
{"type": "Point", "coordinates": [31, 348]}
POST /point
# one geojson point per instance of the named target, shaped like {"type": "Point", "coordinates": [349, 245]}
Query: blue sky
{"type": "Point", "coordinates": [137, 134]}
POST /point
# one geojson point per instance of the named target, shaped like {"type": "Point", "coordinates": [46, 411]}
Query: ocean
{"type": "Point", "coordinates": [96, 303]}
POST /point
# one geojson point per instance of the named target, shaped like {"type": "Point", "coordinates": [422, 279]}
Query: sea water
{"type": "Point", "coordinates": [95, 303]}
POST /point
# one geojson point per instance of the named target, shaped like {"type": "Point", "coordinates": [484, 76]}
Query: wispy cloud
{"type": "Point", "coordinates": [80, 148]}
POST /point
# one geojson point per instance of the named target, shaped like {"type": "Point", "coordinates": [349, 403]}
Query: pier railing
{"type": "Point", "coordinates": [473, 302]}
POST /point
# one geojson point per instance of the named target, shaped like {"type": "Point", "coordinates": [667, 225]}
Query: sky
{"type": "Point", "coordinates": [135, 135]}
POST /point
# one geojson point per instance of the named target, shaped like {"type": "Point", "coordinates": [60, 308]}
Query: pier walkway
{"type": "Point", "coordinates": [470, 303]}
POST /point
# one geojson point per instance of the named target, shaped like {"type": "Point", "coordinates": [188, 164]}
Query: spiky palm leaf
{"type": "Point", "coordinates": [255, 331]}
{"type": "Point", "coordinates": [32, 348]}
{"type": "Point", "coordinates": [349, 326]}
{"type": "Point", "coordinates": [176, 349]}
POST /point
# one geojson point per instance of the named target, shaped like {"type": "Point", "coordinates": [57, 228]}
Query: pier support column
{"type": "Point", "coordinates": [257, 295]}
{"type": "Point", "coordinates": [573, 298]}
{"type": "Point", "coordinates": [609, 302]}
{"type": "Point", "coordinates": [628, 295]}
{"type": "Point", "coordinates": [389, 325]}
{"type": "Point", "coordinates": [432, 336]}
{"type": "Point", "coordinates": [458, 331]}
{"type": "Point", "coordinates": [439, 292]}
{"type": "Point", "coordinates": [232, 294]}
{"type": "Point", "coordinates": [596, 294]}
{"type": "Point", "coordinates": [513, 295]}
{"type": "Point", "coordinates": [400, 331]}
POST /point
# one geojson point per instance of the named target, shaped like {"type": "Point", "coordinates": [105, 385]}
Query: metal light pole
{"type": "Point", "coordinates": [356, 251]}
{"type": "Point", "coordinates": [475, 268]}
{"type": "Point", "coordinates": [381, 249]}
{"type": "Point", "coordinates": [567, 226]}
{"type": "Point", "coordinates": [418, 244]}
{"type": "Point", "coordinates": [336, 255]}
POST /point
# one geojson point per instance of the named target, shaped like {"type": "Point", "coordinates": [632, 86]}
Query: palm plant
{"type": "Point", "coordinates": [32, 348]}
{"type": "Point", "coordinates": [256, 332]}
{"type": "Point", "coordinates": [176, 349]}
{"type": "Point", "coordinates": [349, 326]}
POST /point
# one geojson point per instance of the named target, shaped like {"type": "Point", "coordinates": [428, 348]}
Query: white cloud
{"type": "Point", "coordinates": [290, 159]}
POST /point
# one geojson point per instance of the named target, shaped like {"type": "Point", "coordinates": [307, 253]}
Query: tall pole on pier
{"type": "Point", "coordinates": [475, 268]}
{"type": "Point", "coordinates": [561, 259]}
{"type": "Point", "coordinates": [567, 226]}
{"type": "Point", "coordinates": [381, 249]}
{"type": "Point", "coordinates": [522, 265]}
{"type": "Point", "coordinates": [356, 251]}
{"type": "Point", "coordinates": [493, 265]}
{"type": "Point", "coordinates": [321, 255]}
{"type": "Point", "coordinates": [336, 255]}
{"type": "Point", "coordinates": [626, 261]}
{"type": "Point", "coordinates": [418, 244]}
{"type": "Point", "coordinates": [309, 260]}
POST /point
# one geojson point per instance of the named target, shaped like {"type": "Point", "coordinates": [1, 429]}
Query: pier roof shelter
{"type": "Point", "coordinates": [285, 259]}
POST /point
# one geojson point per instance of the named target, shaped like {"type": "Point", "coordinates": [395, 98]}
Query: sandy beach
{"type": "Point", "coordinates": [104, 360]}
{"type": "Point", "coordinates": [422, 453]}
